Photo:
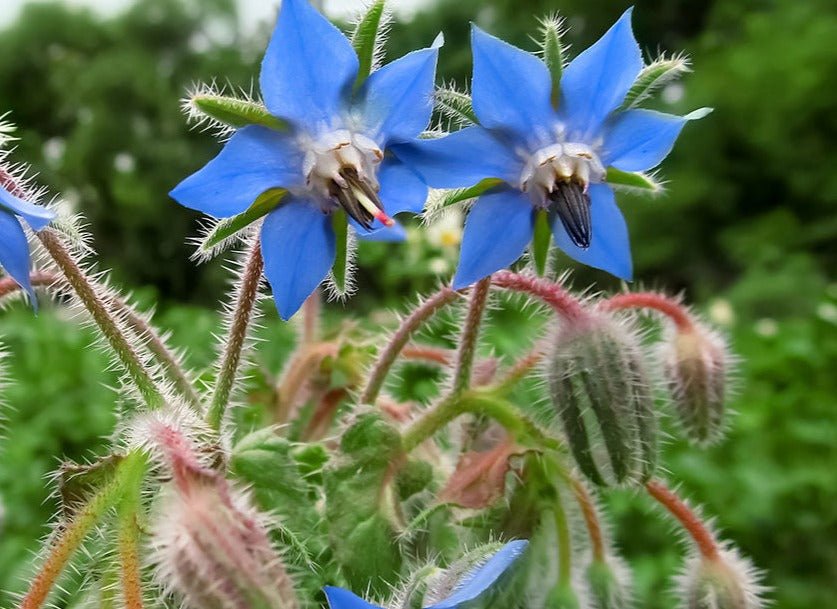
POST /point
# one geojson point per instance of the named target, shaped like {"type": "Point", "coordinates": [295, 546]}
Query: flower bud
{"type": "Point", "coordinates": [600, 389]}
{"type": "Point", "coordinates": [726, 581]}
{"type": "Point", "coordinates": [696, 365]}
{"type": "Point", "coordinates": [213, 551]}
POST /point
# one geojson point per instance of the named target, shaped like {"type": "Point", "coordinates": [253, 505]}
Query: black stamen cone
{"type": "Point", "coordinates": [348, 201]}
{"type": "Point", "coordinates": [572, 205]}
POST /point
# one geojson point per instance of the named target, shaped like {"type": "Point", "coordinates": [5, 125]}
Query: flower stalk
{"type": "Point", "coordinates": [703, 538]}
{"type": "Point", "coordinates": [247, 294]}
{"type": "Point", "coordinates": [109, 327]}
{"type": "Point", "coordinates": [669, 307]}
{"type": "Point", "coordinates": [399, 340]}
{"type": "Point", "coordinates": [469, 339]}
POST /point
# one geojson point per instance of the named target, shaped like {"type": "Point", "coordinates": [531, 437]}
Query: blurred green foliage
{"type": "Point", "coordinates": [747, 228]}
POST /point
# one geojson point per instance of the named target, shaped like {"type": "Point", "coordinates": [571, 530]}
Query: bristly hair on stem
{"type": "Point", "coordinates": [238, 324]}
{"type": "Point", "coordinates": [469, 339]}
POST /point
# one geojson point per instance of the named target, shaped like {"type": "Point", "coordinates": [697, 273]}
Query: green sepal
{"type": "Point", "coordinates": [77, 483]}
{"type": "Point", "coordinates": [653, 76]}
{"type": "Point", "coordinates": [365, 39]}
{"type": "Point", "coordinates": [540, 241]}
{"type": "Point", "coordinates": [340, 268]}
{"type": "Point", "coordinates": [360, 503]}
{"type": "Point", "coordinates": [227, 228]}
{"type": "Point", "coordinates": [463, 194]}
{"type": "Point", "coordinates": [553, 55]}
{"type": "Point", "coordinates": [632, 180]}
{"type": "Point", "coordinates": [235, 112]}
{"type": "Point", "coordinates": [456, 106]}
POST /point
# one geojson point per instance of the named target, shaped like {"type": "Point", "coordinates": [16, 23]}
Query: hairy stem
{"type": "Point", "coordinates": [136, 323]}
{"type": "Point", "coordinates": [129, 541]}
{"type": "Point", "coordinates": [469, 339]}
{"type": "Point", "coordinates": [400, 338]}
{"type": "Point", "coordinates": [311, 317]}
{"type": "Point", "coordinates": [247, 293]}
{"type": "Point", "coordinates": [516, 423]}
{"type": "Point", "coordinates": [107, 324]}
{"type": "Point", "coordinates": [591, 517]}
{"type": "Point", "coordinates": [302, 366]}
{"type": "Point", "coordinates": [561, 301]}
{"type": "Point", "coordinates": [650, 300]}
{"type": "Point", "coordinates": [690, 521]}
{"type": "Point", "coordinates": [70, 537]}
{"type": "Point", "coordinates": [565, 550]}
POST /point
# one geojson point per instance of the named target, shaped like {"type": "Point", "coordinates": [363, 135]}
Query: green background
{"type": "Point", "coordinates": [746, 230]}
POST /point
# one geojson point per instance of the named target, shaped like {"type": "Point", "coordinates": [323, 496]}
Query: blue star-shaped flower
{"type": "Point", "coordinates": [14, 247]}
{"type": "Point", "coordinates": [472, 586]}
{"type": "Point", "coordinates": [547, 158]}
{"type": "Point", "coordinates": [335, 153]}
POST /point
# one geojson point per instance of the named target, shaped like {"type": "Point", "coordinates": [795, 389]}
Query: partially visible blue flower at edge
{"type": "Point", "coordinates": [548, 158]}
{"type": "Point", "coordinates": [14, 247]}
{"type": "Point", "coordinates": [472, 586]}
{"type": "Point", "coordinates": [335, 154]}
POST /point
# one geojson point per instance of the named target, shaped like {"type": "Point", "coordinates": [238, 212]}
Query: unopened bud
{"type": "Point", "coordinates": [609, 584]}
{"type": "Point", "coordinates": [213, 551]}
{"type": "Point", "coordinates": [600, 389]}
{"type": "Point", "coordinates": [696, 364]}
{"type": "Point", "coordinates": [727, 581]}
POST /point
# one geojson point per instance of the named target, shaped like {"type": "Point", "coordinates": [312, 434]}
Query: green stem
{"type": "Point", "coordinates": [470, 336]}
{"type": "Point", "coordinates": [475, 402]}
{"type": "Point", "coordinates": [565, 551]}
{"type": "Point", "coordinates": [247, 293]}
{"type": "Point", "coordinates": [129, 513]}
{"type": "Point", "coordinates": [73, 534]}
{"type": "Point", "coordinates": [108, 326]}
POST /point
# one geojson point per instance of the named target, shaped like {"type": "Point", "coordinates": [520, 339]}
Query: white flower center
{"type": "Point", "coordinates": [341, 167]}
{"type": "Point", "coordinates": [566, 162]}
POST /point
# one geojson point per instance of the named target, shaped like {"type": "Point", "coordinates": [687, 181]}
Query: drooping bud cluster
{"type": "Point", "coordinates": [696, 365]}
{"type": "Point", "coordinates": [600, 388]}
{"type": "Point", "coordinates": [726, 581]}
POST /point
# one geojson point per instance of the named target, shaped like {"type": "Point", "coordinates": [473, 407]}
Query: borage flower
{"type": "Point", "coordinates": [333, 157]}
{"type": "Point", "coordinates": [467, 587]}
{"type": "Point", "coordinates": [14, 247]}
{"type": "Point", "coordinates": [548, 157]}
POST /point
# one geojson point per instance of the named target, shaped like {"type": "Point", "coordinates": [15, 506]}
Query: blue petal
{"type": "Point", "coordinates": [338, 598]}
{"type": "Point", "coordinates": [308, 67]}
{"type": "Point", "coordinates": [386, 234]}
{"type": "Point", "coordinates": [497, 230]}
{"type": "Point", "coordinates": [640, 139]}
{"type": "Point", "coordinates": [255, 159]}
{"type": "Point", "coordinates": [484, 577]}
{"type": "Point", "coordinates": [596, 82]}
{"type": "Point", "coordinates": [298, 249]}
{"type": "Point", "coordinates": [401, 188]}
{"type": "Point", "coordinates": [36, 217]}
{"type": "Point", "coordinates": [14, 252]}
{"type": "Point", "coordinates": [610, 247]}
{"type": "Point", "coordinates": [398, 98]}
{"type": "Point", "coordinates": [511, 88]}
{"type": "Point", "coordinates": [461, 159]}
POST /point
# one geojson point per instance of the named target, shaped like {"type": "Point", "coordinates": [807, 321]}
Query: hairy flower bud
{"type": "Point", "coordinates": [696, 364]}
{"type": "Point", "coordinates": [726, 581]}
{"type": "Point", "coordinates": [600, 389]}
{"type": "Point", "coordinates": [213, 551]}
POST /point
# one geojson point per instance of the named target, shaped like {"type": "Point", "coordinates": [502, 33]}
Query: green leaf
{"type": "Point", "coordinates": [339, 270]}
{"type": "Point", "coordinates": [463, 194]}
{"type": "Point", "coordinates": [234, 112]}
{"type": "Point", "coordinates": [360, 501]}
{"type": "Point", "coordinates": [456, 106]}
{"type": "Point", "coordinates": [631, 180]}
{"type": "Point", "coordinates": [541, 241]}
{"type": "Point", "coordinates": [226, 229]}
{"type": "Point", "coordinates": [366, 37]}
{"type": "Point", "coordinates": [660, 72]}
{"type": "Point", "coordinates": [553, 53]}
